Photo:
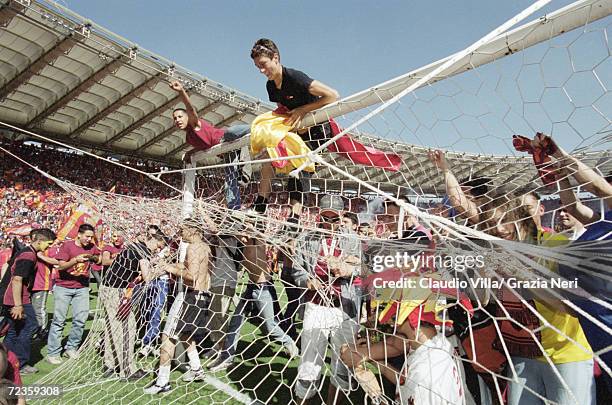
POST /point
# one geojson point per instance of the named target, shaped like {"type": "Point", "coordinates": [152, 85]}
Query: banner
{"type": "Point", "coordinates": [85, 213]}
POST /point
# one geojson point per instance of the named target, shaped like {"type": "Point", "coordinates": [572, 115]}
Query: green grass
{"type": "Point", "coordinates": [263, 373]}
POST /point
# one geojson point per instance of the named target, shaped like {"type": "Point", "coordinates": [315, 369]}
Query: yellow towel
{"type": "Point", "coordinates": [269, 132]}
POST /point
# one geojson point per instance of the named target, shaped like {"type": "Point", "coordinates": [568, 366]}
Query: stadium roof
{"type": "Point", "coordinates": [73, 81]}
{"type": "Point", "coordinates": [67, 78]}
{"type": "Point", "coordinates": [417, 174]}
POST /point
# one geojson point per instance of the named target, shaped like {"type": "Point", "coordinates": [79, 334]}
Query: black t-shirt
{"type": "Point", "coordinates": [126, 266]}
{"type": "Point", "coordinates": [22, 264]}
{"type": "Point", "coordinates": [294, 89]}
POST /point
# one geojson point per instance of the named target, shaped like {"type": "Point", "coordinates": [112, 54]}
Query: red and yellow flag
{"type": "Point", "coordinates": [85, 213]}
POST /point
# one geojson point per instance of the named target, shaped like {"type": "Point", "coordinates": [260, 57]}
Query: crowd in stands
{"type": "Point", "coordinates": [28, 197]}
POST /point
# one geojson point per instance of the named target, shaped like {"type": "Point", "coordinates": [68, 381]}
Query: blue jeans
{"type": "Point", "coordinates": [39, 303]}
{"type": "Point", "coordinates": [598, 338]}
{"type": "Point", "coordinates": [19, 336]}
{"type": "Point", "coordinates": [263, 296]}
{"type": "Point", "coordinates": [295, 302]}
{"type": "Point", "coordinates": [541, 378]}
{"type": "Point", "coordinates": [233, 173]}
{"type": "Point", "coordinates": [63, 298]}
{"type": "Point", "coordinates": [324, 327]}
{"type": "Point", "coordinates": [155, 298]}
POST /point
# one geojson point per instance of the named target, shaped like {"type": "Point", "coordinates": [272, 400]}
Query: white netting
{"type": "Point", "coordinates": [292, 275]}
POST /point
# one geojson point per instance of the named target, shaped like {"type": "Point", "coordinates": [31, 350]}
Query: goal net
{"type": "Point", "coordinates": [428, 258]}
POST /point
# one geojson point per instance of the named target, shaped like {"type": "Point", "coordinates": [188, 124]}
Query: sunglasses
{"type": "Point", "coordinates": [331, 220]}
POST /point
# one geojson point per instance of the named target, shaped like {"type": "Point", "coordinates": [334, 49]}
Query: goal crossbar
{"type": "Point", "coordinates": [544, 28]}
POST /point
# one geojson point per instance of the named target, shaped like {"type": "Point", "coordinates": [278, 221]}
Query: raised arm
{"type": "Point", "coordinates": [464, 206]}
{"type": "Point", "coordinates": [572, 204]}
{"type": "Point", "coordinates": [192, 114]}
{"type": "Point", "coordinates": [584, 175]}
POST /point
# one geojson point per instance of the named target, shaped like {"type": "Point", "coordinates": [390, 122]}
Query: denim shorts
{"type": "Point", "coordinates": [236, 132]}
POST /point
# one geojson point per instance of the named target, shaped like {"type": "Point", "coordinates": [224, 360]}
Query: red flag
{"type": "Point", "coordinates": [22, 230]}
{"type": "Point", "coordinates": [357, 152]}
{"type": "Point", "coordinates": [84, 213]}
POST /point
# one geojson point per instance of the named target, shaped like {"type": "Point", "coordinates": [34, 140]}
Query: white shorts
{"type": "Point", "coordinates": [321, 317]}
{"type": "Point", "coordinates": [173, 316]}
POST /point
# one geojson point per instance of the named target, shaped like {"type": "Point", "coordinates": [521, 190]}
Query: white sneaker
{"type": "Point", "coordinates": [292, 350]}
{"type": "Point", "coordinates": [71, 354]}
{"type": "Point", "coordinates": [223, 362]}
{"type": "Point", "coordinates": [145, 350]}
{"type": "Point", "coordinates": [156, 389]}
{"type": "Point", "coordinates": [194, 375]}
{"type": "Point", "coordinates": [55, 360]}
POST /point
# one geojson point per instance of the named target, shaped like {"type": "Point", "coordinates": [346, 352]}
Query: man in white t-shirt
{"type": "Point", "coordinates": [432, 373]}
{"type": "Point", "coordinates": [433, 376]}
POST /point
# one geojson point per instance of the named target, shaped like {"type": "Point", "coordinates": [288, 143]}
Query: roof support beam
{"type": "Point", "coordinates": [136, 92]}
{"type": "Point", "coordinates": [237, 116]}
{"type": "Point", "coordinates": [91, 145]}
{"type": "Point", "coordinates": [157, 111]}
{"type": "Point", "coordinates": [210, 107]}
{"type": "Point", "coordinates": [61, 47]}
{"type": "Point", "coordinates": [177, 149]}
{"type": "Point", "coordinates": [80, 88]}
{"type": "Point", "coordinates": [157, 138]}
{"type": "Point", "coordinates": [9, 11]}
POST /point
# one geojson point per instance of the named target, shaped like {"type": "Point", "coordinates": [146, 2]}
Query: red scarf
{"type": "Point", "coordinates": [540, 154]}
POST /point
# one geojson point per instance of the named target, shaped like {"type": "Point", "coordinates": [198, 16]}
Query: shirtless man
{"type": "Point", "coordinates": [189, 312]}
{"type": "Point", "coordinates": [261, 291]}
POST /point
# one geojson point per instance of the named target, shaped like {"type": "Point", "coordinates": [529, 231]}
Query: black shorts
{"type": "Point", "coordinates": [194, 314]}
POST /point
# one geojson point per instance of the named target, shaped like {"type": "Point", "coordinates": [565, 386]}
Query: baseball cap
{"type": "Point", "coordinates": [331, 203]}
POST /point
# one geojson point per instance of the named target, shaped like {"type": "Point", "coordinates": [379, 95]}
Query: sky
{"type": "Point", "coordinates": [348, 44]}
{"type": "Point", "coordinates": [354, 45]}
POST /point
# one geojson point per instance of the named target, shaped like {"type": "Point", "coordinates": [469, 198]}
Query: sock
{"type": "Point", "coordinates": [194, 360]}
{"type": "Point", "coordinates": [260, 204]}
{"type": "Point", "coordinates": [164, 376]}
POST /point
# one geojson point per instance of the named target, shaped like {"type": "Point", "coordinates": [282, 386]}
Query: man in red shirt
{"type": "Point", "coordinates": [9, 372]}
{"type": "Point", "coordinates": [15, 289]}
{"type": "Point", "coordinates": [42, 285]}
{"type": "Point", "coordinates": [109, 252]}
{"type": "Point", "coordinates": [72, 288]}
{"type": "Point", "coordinates": [203, 136]}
